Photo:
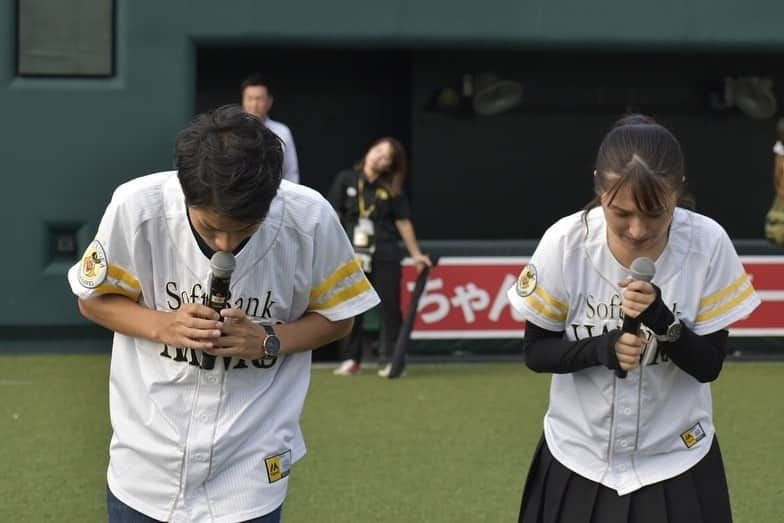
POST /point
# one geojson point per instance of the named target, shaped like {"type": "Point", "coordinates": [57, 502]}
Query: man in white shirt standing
{"type": "Point", "coordinates": [257, 100]}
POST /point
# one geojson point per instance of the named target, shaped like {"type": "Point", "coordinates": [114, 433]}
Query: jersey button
{"type": "Point", "coordinates": [211, 378]}
{"type": "Point", "coordinates": [624, 443]}
{"type": "Point", "coordinates": [627, 411]}
{"type": "Point", "coordinates": [622, 468]}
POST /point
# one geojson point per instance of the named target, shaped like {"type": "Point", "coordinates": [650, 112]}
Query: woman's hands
{"type": "Point", "coordinates": [421, 261]}
{"type": "Point", "coordinates": [638, 295]}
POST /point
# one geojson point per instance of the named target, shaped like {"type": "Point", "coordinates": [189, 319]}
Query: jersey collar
{"type": "Point", "coordinates": [669, 262]}
{"type": "Point", "coordinates": [188, 251]}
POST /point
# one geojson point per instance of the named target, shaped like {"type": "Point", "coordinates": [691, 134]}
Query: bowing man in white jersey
{"type": "Point", "coordinates": [203, 442]}
{"type": "Point", "coordinates": [640, 448]}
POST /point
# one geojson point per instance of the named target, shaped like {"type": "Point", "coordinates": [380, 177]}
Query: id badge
{"type": "Point", "coordinates": [365, 261]}
{"type": "Point", "coordinates": [363, 233]}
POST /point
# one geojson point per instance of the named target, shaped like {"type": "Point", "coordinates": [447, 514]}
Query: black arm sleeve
{"type": "Point", "coordinates": [700, 356]}
{"type": "Point", "coordinates": [547, 351]}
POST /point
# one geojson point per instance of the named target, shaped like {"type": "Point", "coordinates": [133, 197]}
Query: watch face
{"type": "Point", "coordinates": [271, 345]}
{"type": "Point", "coordinates": [674, 331]}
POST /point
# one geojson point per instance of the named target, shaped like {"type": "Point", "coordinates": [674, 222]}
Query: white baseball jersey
{"type": "Point", "coordinates": [191, 444]}
{"type": "Point", "coordinates": [656, 423]}
{"type": "Point", "coordinates": [290, 162]}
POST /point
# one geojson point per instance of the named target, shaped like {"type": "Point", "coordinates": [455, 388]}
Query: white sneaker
{"type": "Point", "coordinates": [347, 368]}
{"type": "Point", "coordinates": [386, 370]}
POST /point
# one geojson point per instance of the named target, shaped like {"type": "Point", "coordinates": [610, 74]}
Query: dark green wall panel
{"type": "Point", "coordinates": [66, 143]}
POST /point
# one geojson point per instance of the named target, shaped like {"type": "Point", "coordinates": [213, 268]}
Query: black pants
{"type": "Point", "coordinates": [385, 278]}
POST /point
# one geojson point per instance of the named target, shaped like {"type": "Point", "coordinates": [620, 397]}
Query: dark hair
{"type": "Point", "coordinates": [645, 156]}
{"type": "Point", "coordinates": [230, 163]}
{"type": "Point", "coordinates": [253, 80]}
{"type": "Point", "coordinates": [393, 177]}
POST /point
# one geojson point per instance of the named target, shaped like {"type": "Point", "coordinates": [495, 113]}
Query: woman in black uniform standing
{"type": "Point", "coordinates": [376, 214]}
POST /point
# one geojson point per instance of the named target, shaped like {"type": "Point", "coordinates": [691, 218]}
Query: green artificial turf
{"type": "Point", "coordinates": [447, 443]}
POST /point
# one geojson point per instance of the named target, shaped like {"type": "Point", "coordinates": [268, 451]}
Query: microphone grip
{"type": "Point", "coordinates": [217, 299]}
{"type": "Point", "coordinates": [630, 325]}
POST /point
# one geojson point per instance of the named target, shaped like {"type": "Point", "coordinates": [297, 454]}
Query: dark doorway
{"type": "Point", "coordinates": [335, 101]}
{"type": "Point", "coordinates": [511, 175]}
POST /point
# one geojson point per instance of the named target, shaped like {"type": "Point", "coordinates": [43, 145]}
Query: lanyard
{"type": "Point", "coordinates": [363, 211]}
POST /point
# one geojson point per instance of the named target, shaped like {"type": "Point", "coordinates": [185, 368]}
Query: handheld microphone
{"type": "Point", "coordinates": [222, 265]}
{"type": "Point", "coordinates": [641, 269]}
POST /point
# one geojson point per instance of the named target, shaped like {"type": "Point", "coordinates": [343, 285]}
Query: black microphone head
{"type": "Point", "coordinates": [222, 264]}
{"type": "Point", "coordinates": [642, 269]}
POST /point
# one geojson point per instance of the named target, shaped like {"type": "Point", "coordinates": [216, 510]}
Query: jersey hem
{"type": "Point", "coordinates": [135, 504]}
{"type": "Point", "coordinates": [649, 479]}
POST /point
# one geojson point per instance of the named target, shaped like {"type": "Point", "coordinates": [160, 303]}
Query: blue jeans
{"type": "Point", "coordinates": [119, 512]}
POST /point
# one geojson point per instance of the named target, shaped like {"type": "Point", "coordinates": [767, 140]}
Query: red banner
{"type": "Point", "coordinates": [466, 298]}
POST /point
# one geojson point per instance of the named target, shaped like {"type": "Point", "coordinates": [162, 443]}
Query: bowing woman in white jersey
{"type": "Point", "coordinates": [640, 448]}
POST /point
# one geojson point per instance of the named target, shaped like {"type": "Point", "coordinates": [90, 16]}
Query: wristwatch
{"type": "Point", "coordinates": [271, 342]}
{"type": "Point", "coordinates": [672, 334]}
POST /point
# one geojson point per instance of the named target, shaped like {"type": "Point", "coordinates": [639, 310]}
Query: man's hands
{"type": "Point", "coordinates": [241, 337]}
{"type": "Point", "coordinates": [193, 325]}
{"type": "Point", "coordinates": [199, 327]}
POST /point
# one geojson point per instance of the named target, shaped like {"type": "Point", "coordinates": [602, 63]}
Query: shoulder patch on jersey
{"type": "Point", "coordinates": [693, 435]}
{"type": "Point", "coordinates": [278, 466]}
{"type": "Point", "coordinates": [94, 267]}
{"type": "Point", "coordinates": [526, 282]}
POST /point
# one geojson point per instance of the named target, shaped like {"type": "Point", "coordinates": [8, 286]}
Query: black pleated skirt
{"type": "Point", "coordinates": [555, 494]}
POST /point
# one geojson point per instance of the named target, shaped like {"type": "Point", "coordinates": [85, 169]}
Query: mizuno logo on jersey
{"type": "Point", "coordinates": [278, 466]}
{"type": "Point", "coordinates": [347, 282]}
{"type": "Point", "coordinates": [692, 436]}
{"type": "Point", "coordinates": [726, 299]}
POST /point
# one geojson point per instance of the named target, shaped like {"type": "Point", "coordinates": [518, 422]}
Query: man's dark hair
{"type": "Point", "coordinates": [255, 79]}
{"type": "Point", "coordinates": [230, 163]}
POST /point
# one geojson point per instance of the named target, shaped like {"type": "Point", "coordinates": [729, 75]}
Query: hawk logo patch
{"type": "Point", "coordinates": [94, 266]}
{"type": "Point", "coordinates": [526, 282]}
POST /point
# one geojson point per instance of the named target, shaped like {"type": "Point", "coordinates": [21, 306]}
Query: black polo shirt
{"type": "Point", "coordinates": [344, 197]}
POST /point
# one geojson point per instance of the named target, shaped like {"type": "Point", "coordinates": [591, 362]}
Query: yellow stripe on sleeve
{"type": "Point", "coordinates": [349, 292]}
{"type": "Point", "coordinates": [726, 291]}
{"type": "Point", "coordinates": [118, 273]}
{"type": "Point", "coordinates": [342, 272]}
{"type": "Point", "coordinates": [554, 302]}
{"type": "Point", "coordinates": [545, 310]}
{"type": "Point", "coordinates": [727, 306]}
{"type": "Point", "coordinates": [116, 289]}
